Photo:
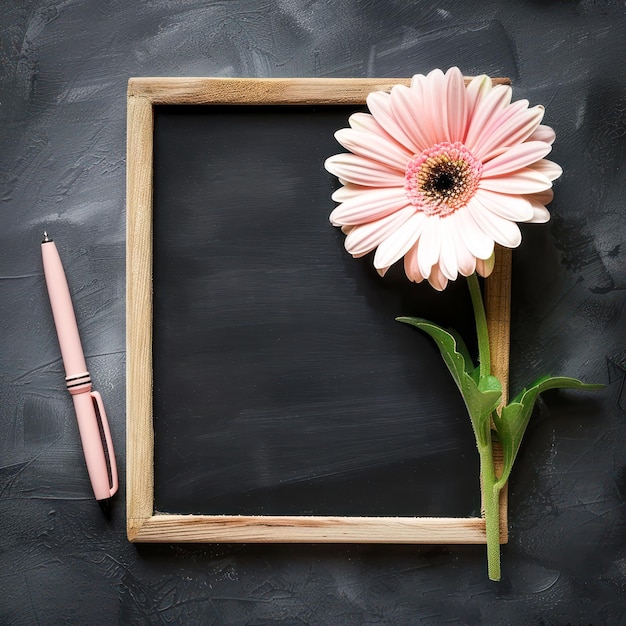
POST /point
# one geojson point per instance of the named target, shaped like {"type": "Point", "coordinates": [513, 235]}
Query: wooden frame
{"type": "Point", "coordinates": [143, 524]}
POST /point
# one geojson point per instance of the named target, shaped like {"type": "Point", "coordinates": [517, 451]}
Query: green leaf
{"type": "Point", "coordinates": [481, 395]}
{"type": "Point", "coordinates": [512, 422]}
{"type": "Point", "coordinates": [461, 348]}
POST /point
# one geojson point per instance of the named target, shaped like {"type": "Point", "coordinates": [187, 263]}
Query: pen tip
{"type": "Point", "coordinates": [45, 237]}
{"type": "Point", "coordinates": [105, 507]}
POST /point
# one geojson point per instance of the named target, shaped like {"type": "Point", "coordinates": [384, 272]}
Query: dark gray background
{"type": "Point", "coordinates": [64, 68]}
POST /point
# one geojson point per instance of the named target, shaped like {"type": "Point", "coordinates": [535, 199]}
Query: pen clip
{"type": "Point", "coordinates": [109, 453]}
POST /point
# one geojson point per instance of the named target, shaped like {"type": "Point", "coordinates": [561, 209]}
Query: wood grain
{"type": "Point", "coordinates": [143, 523]}
{"type": "Point", "coordinates": [300, 529]}
{"type": "Point", "coordinates": [140, 439]}
{"type": "Point", "coordinates": [498, 308]}
{"type": "Point", "coordinates": [266, 91]}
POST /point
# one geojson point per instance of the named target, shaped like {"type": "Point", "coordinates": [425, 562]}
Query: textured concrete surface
{"type": "Point", "coordinates": [64, 66]}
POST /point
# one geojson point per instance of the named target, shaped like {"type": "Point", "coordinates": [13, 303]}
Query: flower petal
{"type": "Point", "coordinates": [435, 101]}
{"type": "Point", "coordinates": [447, 257]}
{"type": "Point", "coordinates": [412, 117]}
{"type": "Point", "coordinates": [348, 191]}
{"type": "Point", "coordinates": [411, 266]}
{"type": "Point", "coordinates": [375, 147]}
{"type": "Point", "coordinates": [543, 133]}
{"type": "Point", "coordinates": [494, 101]}
{"type": "Point", "coordinates": [477, 89]}
{"type": "Point", "coordinates": [543, 197]}
{"type": "Point", "coordinates": [501, 230]}
{"type": "Point", "coordinates": [514, 125]}
{"type": "Point", "coordinates": [429, 118]}
{"type": "Point", "coordinates": [524, 181]}
{"type": "Point", "coordinates": [497, 118]}
{"type": "Point", "coordinates": [417, 83]}
{"type": "Point", "coordinates": [474, 237]}
{"type": "Point", "coordinates": [356, 169]}
{"type": "Point", "coordinates": [516, 157]}
{"type": "Point", "coordinates": [456, 109]}
{"type": "Point", "coordinates": [484, 267]}
{"type": "Point", "coordinates": [364, 238]}
{"type": "Point", "coordinates": [437, 279]}
{"type": "Point", "coordinates": [541, 215]}
{"type": "Point", "coordinates": [549, 169]}
{"type": "Point", "coordinates": [430, 245]}
{"type": "Point", "coordinates": [511, 207]}
{"type": "Point", "coordinates": [368, 206]}
{"type": "Point", "coordinates": [365, 121]}
{"type": "Point", "coordinates": [379, 103]}
{"type": "Point", "coordinates": [398, 244]}
{"type": "Point", "coordinates": [458, 230]}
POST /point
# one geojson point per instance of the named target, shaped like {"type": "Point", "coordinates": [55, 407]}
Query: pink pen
{"type": "Point", "coordinates": [88, 404]}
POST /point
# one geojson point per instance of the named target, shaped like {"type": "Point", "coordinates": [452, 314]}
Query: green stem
{"type": "Point", "coordinates": [491, 505]}
{"type": "Point", "coordinates": [484, 355]}
{"type": "Point", "coordinates": [490, 487]}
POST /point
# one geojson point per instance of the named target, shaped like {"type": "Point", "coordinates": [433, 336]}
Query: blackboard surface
{"type": "Point", "coordinates": [282, 383]}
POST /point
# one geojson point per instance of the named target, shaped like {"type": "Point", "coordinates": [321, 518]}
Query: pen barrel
{"type": "Point", "coordinates": [63, 311]}
{"type": "Point", "coordinates": [92, 421]}
{"type": "Point", "coordinates": [92, 445]}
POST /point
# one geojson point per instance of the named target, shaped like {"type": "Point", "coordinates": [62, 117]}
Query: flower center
{"type": "Point", "coordinates": [442, 179]}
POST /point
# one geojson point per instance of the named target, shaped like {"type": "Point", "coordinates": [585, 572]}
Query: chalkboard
{"type": "Point", "coordinates": [271, 394]}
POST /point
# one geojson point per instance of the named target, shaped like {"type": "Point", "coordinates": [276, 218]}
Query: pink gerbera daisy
{"type": "Point", "coordinates": [439, 172]}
